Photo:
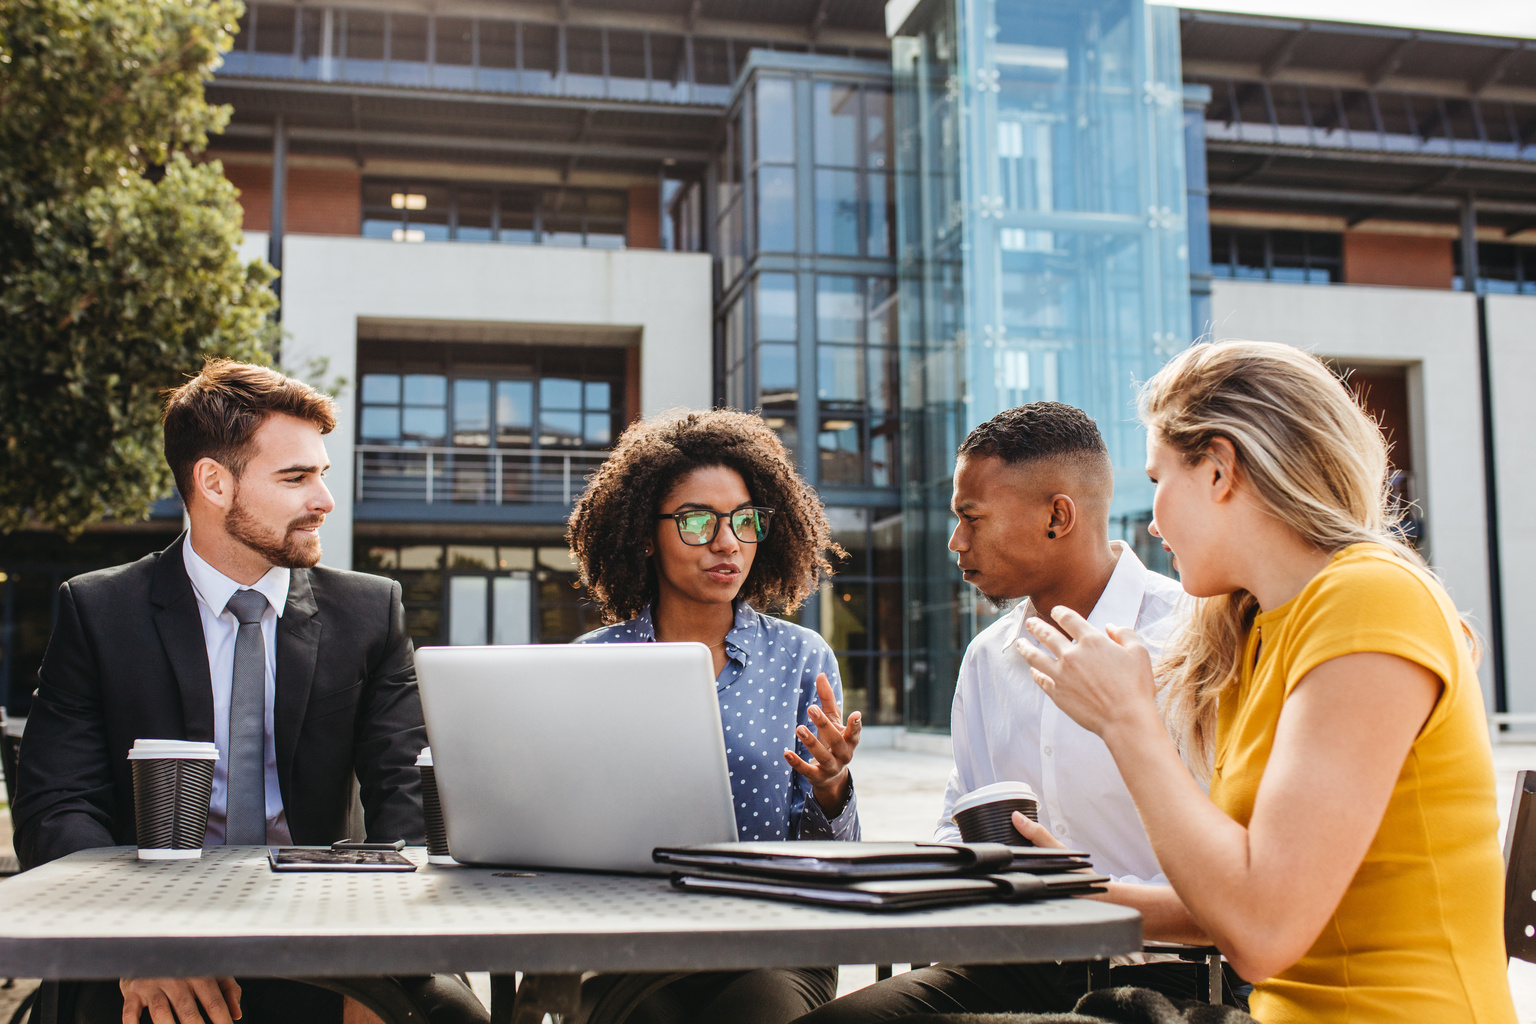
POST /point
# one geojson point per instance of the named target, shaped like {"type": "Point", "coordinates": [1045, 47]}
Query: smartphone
{"type": "Point", "coordinates": [363, 844]}
{"type": "Point", "coordinates": [310, 858]}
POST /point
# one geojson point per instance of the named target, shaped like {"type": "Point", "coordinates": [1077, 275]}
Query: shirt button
{"type": "Point", "coordinates": [1047, 751]}
{"type": "Point", "coordinates": [1061, 830]}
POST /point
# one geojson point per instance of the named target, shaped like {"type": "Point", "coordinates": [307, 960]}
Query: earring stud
{"type": "Point", "coordinates": [1051, 534]}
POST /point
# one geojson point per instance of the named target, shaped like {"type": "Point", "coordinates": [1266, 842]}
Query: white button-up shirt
{"type": "Point", "coordinates": [213, 590]}
{"type": "Point", "coordinates": [1005, 729]}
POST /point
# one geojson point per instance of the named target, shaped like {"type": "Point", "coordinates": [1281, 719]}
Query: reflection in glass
{"type": "Point", "coordinates": [381, 387]}
{"type": "Point", "coordinates": [777, 375]}
{"type": "Point", "coordinates": [597, 396]}
{"type": "Point", "coordinates": [840, 373]}
{"type": "Point", "coordinates": [837, 212]}
{"type": "Point", "coordinates": [879, 216]}
{"type": "Point", "coordinates": [777, 317]}
{"type": "Point", "coordinates": [776, 209]}
{"type": "Point", "coordinates": [559, 393]}
{"type": "Point", "coordinates": [511, 610]}
{"type": "Point", "coordinates": [472, 413]}
{"type": "Point", "coordinates": [381, 424]}
{"type": "Point", "coordinates": [467, 599]}
{"type": "Point", "coordinates": [424, 425]}
{"type": "Point", "coordinates": [837, 124]}
{"type": "Point", "coordinates": [560, 429]}
{"type": "Point", "coordinates": [514, 412]}
{"type": "Point", "coordinates": [775, 121]}
{"type": "Point", "coordinates": [426, 389]}
{"type": "Point", "coordinates": [463, 556]}
{"type": "Point", "coordinates": [841, 451]}
{"type": "Point", "coordinates": [839, 309]}
{"type": "Point", "coordinates": [599, 427]}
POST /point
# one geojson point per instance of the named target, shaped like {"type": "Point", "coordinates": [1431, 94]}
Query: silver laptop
{"type": "Point", "coordinates": [584, 756]}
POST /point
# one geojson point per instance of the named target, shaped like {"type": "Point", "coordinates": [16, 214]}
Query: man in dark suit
{"type": "Point", "coordinates": [303, 675]}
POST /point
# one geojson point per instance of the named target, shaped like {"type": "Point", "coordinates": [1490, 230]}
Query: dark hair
{"type": "Point", "coordinates": [1039, 430]}
{"type": "Point", "coordinates": [216, 414]}
{"type": "Point", "coordinates": [616, 518]}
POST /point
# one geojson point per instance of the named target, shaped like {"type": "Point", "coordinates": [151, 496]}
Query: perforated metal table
{"type": "Point", "coordinates": [103, 913]}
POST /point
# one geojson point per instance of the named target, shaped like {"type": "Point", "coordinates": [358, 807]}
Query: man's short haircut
{"type": "Point", "coordinates": [216, 414]}
{"type": "Point", "coordinates": [1039, 430]}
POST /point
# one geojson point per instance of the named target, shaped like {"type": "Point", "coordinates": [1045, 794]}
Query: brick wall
{"type": "Point", "coordinates": [644, 228]}
{"type": "Point", "coordinates": [320, 201]}
{"type": "Point", "coordinates": [1410, 261]}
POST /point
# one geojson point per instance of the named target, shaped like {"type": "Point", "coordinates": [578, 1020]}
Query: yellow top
{"type": "Point", "coordinates": [1418, 935]}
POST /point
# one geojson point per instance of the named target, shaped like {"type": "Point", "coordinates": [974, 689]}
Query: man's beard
{"type": "Point", "coordinates": [1000, 604]}
{"type": "Point", "coordinates": [287, 551]}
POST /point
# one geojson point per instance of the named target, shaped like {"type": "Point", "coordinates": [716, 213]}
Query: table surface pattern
{"type": "Point", "coordinates": [103, 913]}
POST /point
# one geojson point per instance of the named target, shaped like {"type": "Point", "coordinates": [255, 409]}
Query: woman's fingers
{"type": "Point", "coordinates": [1035, 658]}
{"type": "Point", "coordinates": [828, 698]}
{"type": "Point", "coordinates": [1047, 635]}
{"type": "Point", "coordinates": [819, 750]}
{"type": "Point", "coordinates": [1072, 623]}
{"type": "Point", "coordinates": [1035, 832]}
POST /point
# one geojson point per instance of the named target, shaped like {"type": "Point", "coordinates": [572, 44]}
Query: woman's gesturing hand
{"type": "Point", "coordinates": [832, 745]}
{"type": "Point", "coordinates": [1099, 679]}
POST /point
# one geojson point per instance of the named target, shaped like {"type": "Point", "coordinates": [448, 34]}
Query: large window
{"type": "Point", "coordinates": [856, 380]}
{"type": "Point", "coordinates": [775, 119]}
{"type": "Point", "coordinates": [861, 611]}
{"type": "Point", "coordinates": [855, 201]}
{"type": "Point", "coordinates": [1300, 257]}
{"type": "Point", "coordinates": [416, 409]}
{"type": "Point", "coordinates": [412, 211]}
{"type": "Point", "coordinates": [1502, 268]}
{"type": "Point", "coordinates": [483, 593]}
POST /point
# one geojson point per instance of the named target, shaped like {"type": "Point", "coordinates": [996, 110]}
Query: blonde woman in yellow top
{"type": "Point", "coordinates": [1347, 858]}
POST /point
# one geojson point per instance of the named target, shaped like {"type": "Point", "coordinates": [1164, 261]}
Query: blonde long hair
{"type": "Point", "coordinates": [1313, 459]}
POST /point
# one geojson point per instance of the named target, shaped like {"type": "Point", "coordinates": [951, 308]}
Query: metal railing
{"type": "Point", "coordinates": [474, 476]}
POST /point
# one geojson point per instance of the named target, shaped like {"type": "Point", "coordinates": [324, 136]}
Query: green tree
{"type": "Point", "coordinates": [119, 273]}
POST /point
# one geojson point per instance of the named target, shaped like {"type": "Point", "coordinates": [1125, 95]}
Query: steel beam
{"type": "Point", "coordinates": [1372, 156]}
{"type": "Point", "coordinates": [419, 140]}
{"type": "Point", "coordinates": [498, 99]}
{"type": "Point", "coordinates": [1283, 54]}
{"type": "Point", "coordinates": [1392, 61]}
{"type": "Point", "coordinates": [1337, 197]}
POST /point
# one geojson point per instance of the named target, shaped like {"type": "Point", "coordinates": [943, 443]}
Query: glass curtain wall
{"type": "Point", "coordinates": [804, 222]}
{"type": "Point", "coordinates": [1044, 256]}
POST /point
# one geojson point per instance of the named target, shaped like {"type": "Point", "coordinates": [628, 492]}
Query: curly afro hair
{"type": "Point", "coordinates": [616, 517]}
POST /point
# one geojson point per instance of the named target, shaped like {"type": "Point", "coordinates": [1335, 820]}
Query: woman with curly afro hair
{"type": "Point", "coordinates": [694, 519]}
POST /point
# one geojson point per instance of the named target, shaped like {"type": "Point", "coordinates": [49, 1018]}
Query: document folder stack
{"type": "Point", "coordinates": [881, 876]}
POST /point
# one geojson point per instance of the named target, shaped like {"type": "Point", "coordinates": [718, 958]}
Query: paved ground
{"type": "Point", "coordinates": [900, 792]}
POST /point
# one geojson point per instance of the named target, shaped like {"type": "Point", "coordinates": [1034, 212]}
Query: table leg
{"type": "Point", "coordinates": [48, 1002]}
{"type": "Point", "coordinates": [1098, 974]}
{"type": "Point", "coordinates": [558, 994]}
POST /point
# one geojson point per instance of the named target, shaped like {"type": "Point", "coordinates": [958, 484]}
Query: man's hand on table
{"type": "Point", "coordinates": [175, 1000]}
{"type": "Point", "coordinates": [832, 746]}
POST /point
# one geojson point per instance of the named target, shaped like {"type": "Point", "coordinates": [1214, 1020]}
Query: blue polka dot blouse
{"type": "Point", "coordinates": [766, 690]}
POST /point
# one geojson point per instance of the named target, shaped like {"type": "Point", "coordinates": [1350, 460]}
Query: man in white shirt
{"type": "Point", "coordinates": [1031, 499]}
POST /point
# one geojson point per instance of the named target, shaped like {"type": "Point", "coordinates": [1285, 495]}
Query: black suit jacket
{"type": "Point", "coordinates": [127, 660]}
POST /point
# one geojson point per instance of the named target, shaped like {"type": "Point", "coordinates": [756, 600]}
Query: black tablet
{"type": "Point", "coordinates": [310, 858]}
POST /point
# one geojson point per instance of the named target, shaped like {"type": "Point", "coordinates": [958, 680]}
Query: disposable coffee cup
{"type": "Point", "coordinates": [172, 786]}
{"type": "Point", "coordinates": [985, 815]}
{"type": "Point", "coordinates": [437, 829]}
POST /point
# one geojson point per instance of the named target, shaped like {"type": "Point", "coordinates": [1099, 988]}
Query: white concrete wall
{"type": "Point", "coordinates": [329, 282]}
{"type": "Point", "coordinates": [1435, 334]}
{"type": "Point", "coordinates": [1512, 359]}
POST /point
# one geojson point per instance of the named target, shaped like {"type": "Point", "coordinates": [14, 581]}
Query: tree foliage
{"type": "Point", "coordinates": [119, 272]}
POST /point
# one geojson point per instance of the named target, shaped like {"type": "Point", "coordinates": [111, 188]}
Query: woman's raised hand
{"type": "Point", "coordinates": [1100, 679]}
{"type": "Point", "coordinates": [832, 745]}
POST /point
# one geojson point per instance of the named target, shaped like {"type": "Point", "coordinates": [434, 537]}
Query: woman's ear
{"type": "Point", "coordinates": [1222, 458]}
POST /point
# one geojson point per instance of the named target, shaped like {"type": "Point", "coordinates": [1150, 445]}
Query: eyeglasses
{"type": "Point", "coordinates": [698, 526]}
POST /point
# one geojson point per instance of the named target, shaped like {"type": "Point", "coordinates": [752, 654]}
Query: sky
{"type": "Point", "coordinates": [1486, 17]}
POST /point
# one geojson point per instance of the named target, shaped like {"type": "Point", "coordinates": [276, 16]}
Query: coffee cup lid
{"type": "Point", "coordinates": [424, 759]}
{"type": "Point", "coordinates": [148, 750]}
{"type": "Point", "coordinates": [996, 791]}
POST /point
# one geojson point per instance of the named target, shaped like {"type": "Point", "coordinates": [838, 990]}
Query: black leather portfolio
{"type": "Point", "coordinates": [827, 860]}
{"type": "Point", "coordinates": [896, 893]}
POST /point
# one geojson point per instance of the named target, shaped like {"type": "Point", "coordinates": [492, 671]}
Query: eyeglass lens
{"type": "Point", "coordinates": [698, 528]}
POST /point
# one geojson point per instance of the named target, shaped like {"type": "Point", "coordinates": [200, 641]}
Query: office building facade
{"type": "Point", "coordinates": [506, 230]}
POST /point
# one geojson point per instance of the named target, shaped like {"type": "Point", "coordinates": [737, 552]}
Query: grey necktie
{"type": "Point", "coordinates": [245, 821]}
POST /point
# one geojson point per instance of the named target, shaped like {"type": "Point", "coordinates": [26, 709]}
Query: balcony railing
{"type": "Point", "coordinates": [474, 476]}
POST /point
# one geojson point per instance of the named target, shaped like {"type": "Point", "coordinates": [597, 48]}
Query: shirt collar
{"type": "Point", "coordinates": [215, 589]}
{"type": "Point", "coordinates": [743, 628]}
{"type": "Point", "coordinates": [1119, 604]}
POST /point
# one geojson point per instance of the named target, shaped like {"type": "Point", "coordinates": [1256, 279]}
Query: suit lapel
{"type": "Point", "coordinates": [180, 626]}
{"type": "Point", "coordinates": [298, 648]}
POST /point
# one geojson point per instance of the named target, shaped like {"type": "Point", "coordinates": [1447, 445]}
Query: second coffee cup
{"type": "Point", "coordinates": [985, 815]}
{"type": "Point", "coordinates": [172, 786]}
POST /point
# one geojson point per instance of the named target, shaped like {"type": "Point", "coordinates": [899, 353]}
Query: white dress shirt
{"type": "Point", "coordinates": [213, 590]}
{"type": "Point", "coordinates": [1005, 729]}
